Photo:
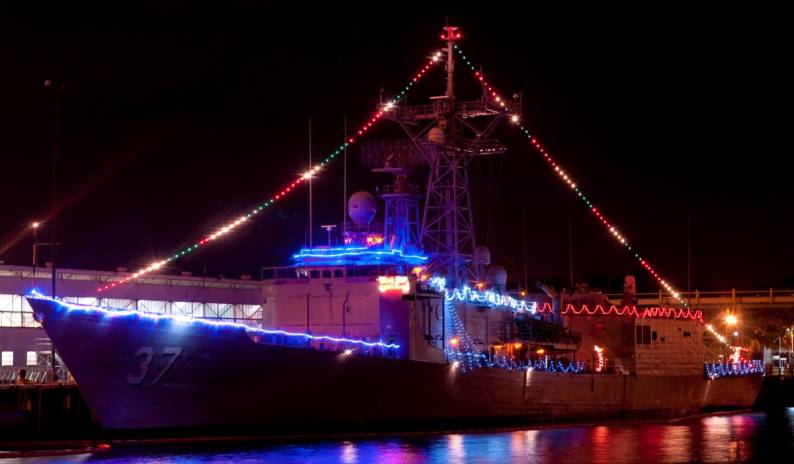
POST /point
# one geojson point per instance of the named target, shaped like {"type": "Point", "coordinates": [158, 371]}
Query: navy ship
{"type": "Point", "coordinates": [404, 321]}
{"type": "Point", "coordinates": [359, 335]}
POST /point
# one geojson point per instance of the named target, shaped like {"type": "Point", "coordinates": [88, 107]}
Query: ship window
{"type": "Point", "coordinates": [8, 358]}
{"type": "Point", "coordinates": [653, 335]}
{"type": "Point", "coordinates": [327, 274]}
{"type": "Point", "coordinates": [687, 334]}
{"type": "Point", "coordinates": [314, 274]}
{"type": "Point", "coordinates": [338, 273]}
{"type": "Point", "coordinates": [33, 358]}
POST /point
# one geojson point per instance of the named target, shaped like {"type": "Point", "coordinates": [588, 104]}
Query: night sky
{"type": "Point", "coordinates": [176, 119]}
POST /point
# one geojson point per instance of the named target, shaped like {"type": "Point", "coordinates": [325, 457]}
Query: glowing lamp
{"type": "Point", "coordinates": [454, 342]}
{"type": "Point", "coordinates": [540, 351]}
{"type": "Point", "coordinates": [600, 359]}
{"type": "Point", "coordinates": [35, 225]}
{"type": "Point", "coordinates": [731, 319]}
{"type": "Point", "coordinates": [517, 346]}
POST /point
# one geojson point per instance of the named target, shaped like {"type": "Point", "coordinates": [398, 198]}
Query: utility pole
{"type": "Point", "coordinates": [570, 250]}
{"type": "Point", "coordinates": [344, 183]}
{"type": "Point", "coordinates": [524, 243]}
{"type": "Point", "coordinates": [309, 170]}
{"type": "Point", "coordinates": [57, 90]}
{"type": "Point", "coordinates": [689, 257]}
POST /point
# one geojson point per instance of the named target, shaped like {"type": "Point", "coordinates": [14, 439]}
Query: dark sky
{"type": "Point", "coordinates": [175, 119]}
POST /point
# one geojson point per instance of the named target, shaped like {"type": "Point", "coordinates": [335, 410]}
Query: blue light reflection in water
{"type": "Point", "coordinates": [722, 438]}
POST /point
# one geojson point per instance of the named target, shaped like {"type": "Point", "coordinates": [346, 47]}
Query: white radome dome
{"type": "Point", "coordinates": [361, 207]}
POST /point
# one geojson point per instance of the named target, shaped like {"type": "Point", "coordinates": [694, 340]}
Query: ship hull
{"type": "Point", "coordinates": [140, 373]}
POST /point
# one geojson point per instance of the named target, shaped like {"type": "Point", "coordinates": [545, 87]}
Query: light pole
{"type": "Point", "coordinates": [730, 320]}
{"type": "Point", "coordinates": [790, 332]}
{"type": "Point", "coordinates": [35, 227]}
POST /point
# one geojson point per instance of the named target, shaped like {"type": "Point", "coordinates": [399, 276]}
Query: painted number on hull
{"type": "Point", "coordinates": [144, 356]}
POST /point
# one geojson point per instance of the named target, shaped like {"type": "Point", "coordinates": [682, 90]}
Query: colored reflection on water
{"type": "Point", "coordinates": [722, 438]}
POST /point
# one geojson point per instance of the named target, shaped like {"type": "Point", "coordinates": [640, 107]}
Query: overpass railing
{"type": "Point", "coordinates": [728, 298]}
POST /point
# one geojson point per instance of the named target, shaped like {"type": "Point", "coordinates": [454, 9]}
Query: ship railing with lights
{"type": "Point", "coordinates": [258, 335]}
{"type": "Point", "coordinates": [376, 255]}
{"type": "Point", "coordinates": [468, 360]}
{"type": "Point", "coordinates": [741, 369]}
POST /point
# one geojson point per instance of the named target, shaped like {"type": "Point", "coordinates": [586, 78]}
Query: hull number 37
{"type": "Point", "coordinates": [144, 357]}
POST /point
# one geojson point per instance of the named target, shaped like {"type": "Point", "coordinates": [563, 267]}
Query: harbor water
{"type": "Point", "coordinates": [739, 437]}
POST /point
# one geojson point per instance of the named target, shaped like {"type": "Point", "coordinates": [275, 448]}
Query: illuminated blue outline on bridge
{"type": "Point", "coordinates": [186, 320]}
{"type": "Point", "coordinates": [492, 299]}
{"type": "Point", "coordinates": [344, 252]}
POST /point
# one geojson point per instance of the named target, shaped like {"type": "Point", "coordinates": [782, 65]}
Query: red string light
{"type": "Point", "coordinates": [658, 312]}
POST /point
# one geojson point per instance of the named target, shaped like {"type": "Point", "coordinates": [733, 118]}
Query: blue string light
{"type": "Point", "coordinates": [467, 356]}
{"type": "Point", "coordinates": [110, 312]}
{"type": "Point", "coordinates": [361, 255]}
{"type": "Point", "coordinates": [488, 297]}
{"type": "Point", "coordinates": [741, 369]}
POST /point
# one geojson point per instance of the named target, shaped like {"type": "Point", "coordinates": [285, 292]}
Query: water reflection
{"type": "Point", "coordinates": [349, 455]}
{"type": "Point", "coordinates": [740, 437]}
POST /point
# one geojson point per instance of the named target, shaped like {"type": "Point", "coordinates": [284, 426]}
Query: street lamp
{"type": "Point", "coordinates": [35, 227]}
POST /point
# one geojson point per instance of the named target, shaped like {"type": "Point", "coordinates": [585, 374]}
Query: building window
{"type": "Point", "coordinates": [33, 358]}
{"type": "Point", "coordinates": [186, 308]}
{"type": "Point", "coordinates": [8, 358]}
{"type": "Point", "coordinates": [152, 306]}
{"type": "Point", "coordinates": [218, 310]}
{"type": "Point", "coordinates": [338, 273]}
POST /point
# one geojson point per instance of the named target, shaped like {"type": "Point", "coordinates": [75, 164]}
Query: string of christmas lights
{"type": "Point", "coordinates": [740, 369]}
{"type": "Point", "coordinates": [110, 312]}
{"type": "Point", "coordinates": [491, 298]}
{"type": "Point", "coordinates": [568, 180]}
{"type": "Point", "coordinates": [465, 355]}
{"type": "Point", "coordinates": [496, 300]}
{"type": "Point", "coordinates": [232, 225]}
{"type": "Point", "coordinates": [632, 311]}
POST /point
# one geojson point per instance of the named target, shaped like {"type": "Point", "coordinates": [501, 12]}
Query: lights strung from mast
{"type": "Point", "coordinates": [233, 225]}
{"type": "Point", "coordinates": [568, 180]}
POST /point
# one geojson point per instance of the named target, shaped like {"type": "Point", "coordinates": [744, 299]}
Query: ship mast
{"type": "Point", "coordinates": [443, 137]}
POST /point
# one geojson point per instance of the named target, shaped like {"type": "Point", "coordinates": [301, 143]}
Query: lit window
{"type": "Point", "coordinates": [186, 308]}
{"type": "Point", "coordinates": [6, 302]}
{"type": "Point", "coordinates": [152, 306]}
{"type": "Point", "coordinates": [33, 358]}
{"type": "Point", "coordinates": [8, 358]}
{"type": "Point", "coordinates": [245, 311]}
